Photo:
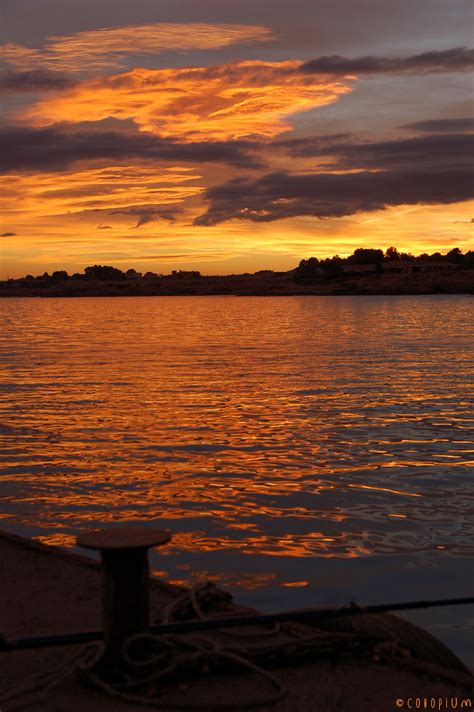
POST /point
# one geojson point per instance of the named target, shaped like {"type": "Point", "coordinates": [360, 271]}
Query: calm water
{"type": "Point", "coordinates": [303, 450]}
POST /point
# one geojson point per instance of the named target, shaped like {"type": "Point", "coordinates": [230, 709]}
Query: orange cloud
{"type": "Point", "coordinates": [116, 188]}
{"type": "Point", "coordinates": [109, 47]}
{"type": "Point", "coordinates": [240, 100]}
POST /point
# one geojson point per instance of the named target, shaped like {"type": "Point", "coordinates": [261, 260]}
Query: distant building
{"type": "Point", "coordinates": [401, 267]}
{"type": "Point", "coordinates": [359, 269]}
{"type": "Point", "coordinates": [418, 266]}
{"type": "Point", "coordinates": [185, 274]}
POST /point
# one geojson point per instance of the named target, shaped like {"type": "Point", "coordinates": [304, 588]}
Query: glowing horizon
{"type": "Point", "coordinates": [215, 146]}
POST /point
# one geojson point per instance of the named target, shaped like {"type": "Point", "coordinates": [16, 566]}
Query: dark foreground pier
{"type": "Point", "coordinates": [364, 666]}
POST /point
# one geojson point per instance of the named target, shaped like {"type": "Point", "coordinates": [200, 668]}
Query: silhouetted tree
{"type": "Point", "coordinates": [392, 254]}
{"type": "Point", "coordinates": [59, 275]}
{"type": "Point", "coordinates": [365, 256]}
{"type": "Point", "coordinates": [332, 266]}
{"type": "Point", "coordinates": [307, 270]}
{"type": "Point", "coordinates": [468, 260]}
{"type": "Point", "coordinates": [104, 272]}
{"type": "Point", "coordinates": [455, 255]}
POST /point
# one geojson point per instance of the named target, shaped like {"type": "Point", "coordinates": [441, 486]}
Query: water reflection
{"type": "Point", "coordinates": [265, 433]}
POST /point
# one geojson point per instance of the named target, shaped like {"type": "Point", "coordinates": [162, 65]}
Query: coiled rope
{"type": "Point", "coordinates": [36, 687]}
{"type": "Point", "coordinates": [151, 660]}
{"type": "Point", "coordinates": [168, 657]}
{"type": "Point", "coordinates": [177, 657]}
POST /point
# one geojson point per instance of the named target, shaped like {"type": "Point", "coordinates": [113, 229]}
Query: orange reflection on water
{"type": "Point", "coordinates": [261, 432]}
{"type": "Point", "coordinates": [385, 489]}
{"type": "Point", "coordinates": [63, 540]}
{"type": "Point", "coordinates": [295, 584]}
{"type": "Point", "coordinates": [294, 545]}
{"type": "Point", "coordinates": [245, 579]}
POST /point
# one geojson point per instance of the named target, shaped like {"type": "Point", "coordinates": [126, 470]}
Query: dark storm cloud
{"type": "Point", "coordinates": [437, 152]}
{"type": "Point", "coordinates": [435, 168]}
{"type": "Point", "coordinates": [459, 59]}
{"type": "Point", "coordinates": [314, 145]}
{"type": "Point", "coordinates": [8, 234]}
{"type": "Point", "coordinates": [442, 125]}
{"type": "Point", "coordinates": [34, 80]}
{"type": "Point", "coordinates": [56, 148]}
{"type": "Point", "coordinates": [282, 195]}
{"type": "Point", "coordinates": [434, 151]}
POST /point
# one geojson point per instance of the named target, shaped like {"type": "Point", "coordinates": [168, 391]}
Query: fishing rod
{"type": "Point", "coordinates": [305, 615]}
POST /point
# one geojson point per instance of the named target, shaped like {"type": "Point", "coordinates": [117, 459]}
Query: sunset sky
{"type": "Point", "coordinates": [232, 135]}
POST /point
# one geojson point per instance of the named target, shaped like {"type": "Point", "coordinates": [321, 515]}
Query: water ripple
{"type": "Point", "coordinates": [285, 441]}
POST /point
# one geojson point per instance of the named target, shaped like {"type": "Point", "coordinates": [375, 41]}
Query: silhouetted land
{"type": "Point", "coordinates": [366, 271]}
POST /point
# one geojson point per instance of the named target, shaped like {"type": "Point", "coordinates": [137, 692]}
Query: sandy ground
{"type": "Point", "coordinates": [45, 590]}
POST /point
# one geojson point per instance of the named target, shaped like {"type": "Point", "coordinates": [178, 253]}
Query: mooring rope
{"type": "Point", "coordinates": [199, 657]}
{"type": "Point", "coordinates": [197, 654]}
{"type": "Point", "coordinates": [35, 687]}
{"type": "Point", "coordinates": [207, 592]}
{"type": "Point", "coordinates": [171, 656]}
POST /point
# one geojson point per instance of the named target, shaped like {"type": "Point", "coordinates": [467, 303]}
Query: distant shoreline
{"type": "Point", "coordinates": [367, 271]}
{"type": "Point", "coordinates": [269, 284]}
{"type": "Point", "coordinates": [280, 295]}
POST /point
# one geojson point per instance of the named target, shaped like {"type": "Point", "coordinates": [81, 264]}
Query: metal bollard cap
{"type": "Point", "coordinates": [122, 538]}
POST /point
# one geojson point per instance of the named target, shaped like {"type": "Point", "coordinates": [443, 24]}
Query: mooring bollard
{"type": "Point", "coordinates": [125, 582]}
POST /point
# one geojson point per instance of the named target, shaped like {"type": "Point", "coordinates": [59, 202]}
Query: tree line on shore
{"type": "Point", "coordinates": [107, 273]}
{"type": "Point", "coordinates": [306, 269]}
{"type": "Point", "coordinates": [334, 266]}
